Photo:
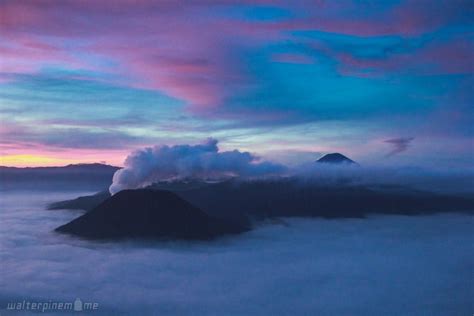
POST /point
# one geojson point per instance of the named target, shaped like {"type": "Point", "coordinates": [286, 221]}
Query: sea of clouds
{"type": "Point", "coordinates": [387, 265]}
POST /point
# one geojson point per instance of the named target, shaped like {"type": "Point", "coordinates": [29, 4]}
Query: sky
{"type": "Point", "coordinates": [384, 82]}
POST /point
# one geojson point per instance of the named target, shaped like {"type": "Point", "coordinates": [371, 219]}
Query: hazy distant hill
{"type": "Point", "coordinates": [95, 175]}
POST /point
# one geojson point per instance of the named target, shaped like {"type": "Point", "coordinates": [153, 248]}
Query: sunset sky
{"type": "Point", "coordinates": [382, 82]}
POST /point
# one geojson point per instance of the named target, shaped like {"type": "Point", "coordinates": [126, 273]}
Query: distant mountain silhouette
{"type": "Point", "coordinates": [335, 158]}
{"type": "Point", "coordinates": [148, 213]}
{"type": "Point", "coordinates": [92, 176]}
{"type": "Point", "coordinates": [82, 167]}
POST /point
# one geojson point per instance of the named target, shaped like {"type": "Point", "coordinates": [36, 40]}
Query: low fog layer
{"type": "Point", "coordinates": [204, 161]}
{"type": "Point", "coordinates": [449, 181]}
{"type": "Point", "coordinates": [392, 265]}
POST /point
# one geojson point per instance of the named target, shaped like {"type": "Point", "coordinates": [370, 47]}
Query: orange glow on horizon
{"type": "Point", "coordinates": [26, 160]}
{"type": "Point", "coordinates": [32, 160]}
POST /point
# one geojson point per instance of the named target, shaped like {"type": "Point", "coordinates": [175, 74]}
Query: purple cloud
{"type": "Point", "coordinates": [196, 51]}
{"type": "Point", "coordinates": [399, 144]}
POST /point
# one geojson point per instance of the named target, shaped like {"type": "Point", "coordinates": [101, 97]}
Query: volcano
{"type": "Point", "coordinates": [149, 214]}
{"type": "Point", "coordinates": [335, 158]}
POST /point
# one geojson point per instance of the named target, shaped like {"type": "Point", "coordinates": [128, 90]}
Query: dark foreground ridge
{"type": "Point", "coordinates": [149, 214]}
{"type": "Point", "coordinates": [335, 158]}
{"type": "Point", "coordinates": [85, 203]}
{"type": "Point", "coordinates": [238, 200]}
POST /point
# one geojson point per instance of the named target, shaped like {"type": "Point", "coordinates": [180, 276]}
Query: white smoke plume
{"type": "Point", "coordinates": [149, 165]}
{"type": "Point", "coordinates": [204, 161]}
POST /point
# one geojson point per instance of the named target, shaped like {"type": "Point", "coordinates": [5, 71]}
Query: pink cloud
{"type": "Point", "coordinates": [192, 51]}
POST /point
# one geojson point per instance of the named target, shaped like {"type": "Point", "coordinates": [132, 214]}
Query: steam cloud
{"type": "Point", "coordinates": [204, 161]}
{"type": "Point", "coordinates": [146, 166]}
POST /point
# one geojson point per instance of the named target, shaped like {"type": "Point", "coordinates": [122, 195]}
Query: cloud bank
{"type": "Point", "coordinates": [440, 180]}
{"type": "Point", "coordinates": [204, 161]}
{"type": "Point", "coordinates": [384, 265]}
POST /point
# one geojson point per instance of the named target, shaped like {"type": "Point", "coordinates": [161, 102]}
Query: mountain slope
{"type": "Point", "coordinates": [236, 200]}
{"type": "Point", "coordinates": [148, 214]}
{"type": "Point", "coordinates": [335, 158]}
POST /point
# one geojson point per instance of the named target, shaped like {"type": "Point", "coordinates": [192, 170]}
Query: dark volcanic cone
{"type": "Point", "coordinates": [148, 214]}
{"type": "Point", "coordinates": [335, 158]}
